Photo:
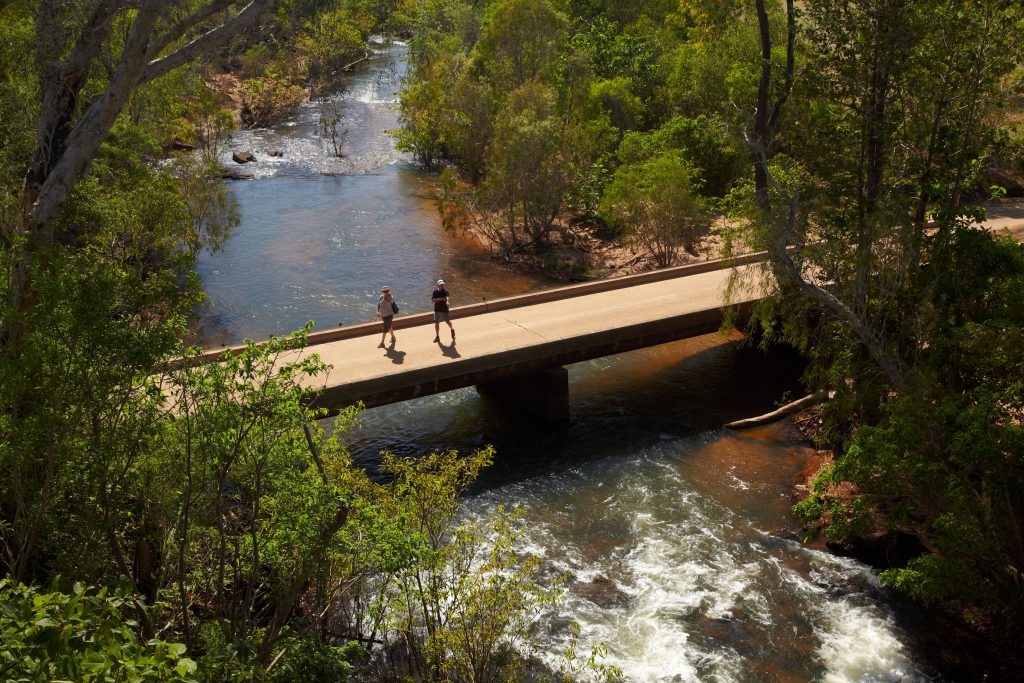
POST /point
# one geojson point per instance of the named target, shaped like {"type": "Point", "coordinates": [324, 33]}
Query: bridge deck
{"type": "Point", "coordinates": [495, 344]}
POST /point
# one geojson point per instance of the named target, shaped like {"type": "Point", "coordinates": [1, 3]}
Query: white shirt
{"type": "Point", "coordinates": [384, 307]}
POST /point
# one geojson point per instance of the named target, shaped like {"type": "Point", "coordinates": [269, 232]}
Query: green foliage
{"type": "Point", "coordinates": [621, 11]}
{"type": "Point", "coordinates": [474, 100]}
{"type": "Point", "coordinates": [714, 72]}
{"type": "Point", "coordinates": [268, 98]}
{"type": "Point", "coordinates": [19, 104]}
{"type": "Point", "coordinates": [616, 97]}
{"type": "Point", "coordinates": [531, 165]}
{"type": "Point", "coordinates": [657, 205]}
{"type": "Point", "coordinates": [703, 142]}
{"type": "Point", "coordinates": [467, 603]}
{"type": "Point", "coordinates": [610, 55]}
{"type": "Point", "coordinates": [945, 456]}
{"type": "Point", "coordinates": [86, 636]}
{"type": "Point", "coordinates": [110, 316]}
{"type": "Point", "coordinates": [573, 667]}
{"type": "Point", "coordinates": [518, 42]}
{"type": "Point", "coordinates": [308, 660]}
{"type": "Point", "coordinates": [333, 40]}
{"type": "Point", "coordinates": [428, 129]}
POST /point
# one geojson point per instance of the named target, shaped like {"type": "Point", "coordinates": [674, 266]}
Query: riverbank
{"type": "Point", "coordinates": [580, 250]}
{"type": "Point", "coordinates": [583, 251]}
{"type": "Point", "coordinates": [962, 644]}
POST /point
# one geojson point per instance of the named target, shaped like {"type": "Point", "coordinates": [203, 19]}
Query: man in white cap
{"type": "Point", "coordinates": [440, 299]}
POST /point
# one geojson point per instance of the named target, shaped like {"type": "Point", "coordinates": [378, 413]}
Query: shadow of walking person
{"type": "Point", "coordinates": [449, 351]}
{"type": "Point", "coordinates": [397, 357]}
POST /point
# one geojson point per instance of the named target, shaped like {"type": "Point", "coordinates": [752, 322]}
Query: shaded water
{"type": "Point", "coordinates": [665, 523]}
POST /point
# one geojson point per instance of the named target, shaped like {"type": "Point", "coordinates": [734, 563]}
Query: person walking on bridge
{"type": "Point", "coordinates": [386, 309]}
{"type": "Point", "coordinates": [441, 313]}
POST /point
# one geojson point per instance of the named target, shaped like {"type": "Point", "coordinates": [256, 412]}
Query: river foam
{"type": "Point", "coordinates": [681, 587]}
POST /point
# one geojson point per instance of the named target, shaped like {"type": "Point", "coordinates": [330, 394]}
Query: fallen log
{"type": "Point", "coordinates": [788, 409]}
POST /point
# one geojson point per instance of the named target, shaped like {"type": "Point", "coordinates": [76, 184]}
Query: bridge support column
{"type": "Point", "coordinates": [543, 394]}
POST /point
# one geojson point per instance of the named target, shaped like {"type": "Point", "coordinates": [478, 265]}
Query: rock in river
{"type": "Point", "coordinates": [243, 157]}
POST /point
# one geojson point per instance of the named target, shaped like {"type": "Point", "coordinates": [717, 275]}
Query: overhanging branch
{"type": "Point", "coordinates": [206, 43]}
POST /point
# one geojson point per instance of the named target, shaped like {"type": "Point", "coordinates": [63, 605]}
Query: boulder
{"type": "Point", "coordinates": [277, 153]}
{"type": "Point", "coordinates": [882, 550]}
{"type": "Point", "coordinates": [243, 156]}
{"type": "Point", "coordinates": [786, 535]}
{"type": "Point", "coordinates": [603, 592]}
{"type": "Point", "coordinates": [232, 174]}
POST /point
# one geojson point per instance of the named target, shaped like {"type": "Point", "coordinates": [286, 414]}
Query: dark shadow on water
{"type": "Point", "coordinates": [620, 404]}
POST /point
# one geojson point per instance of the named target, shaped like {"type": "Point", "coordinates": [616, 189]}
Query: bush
{"type": "Point", "coordinates": [268, 99]}
{"type": "Point", "coordinates": [85, 636]}
{"type": "Point", "coordinates": [309, 660]}
{"type": "Point", "coordinates": [657, 206]}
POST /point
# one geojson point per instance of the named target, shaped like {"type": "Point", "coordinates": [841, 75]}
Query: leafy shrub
{"type": "Point", "coordinates": [310, 660]}
{"type": "Point", "coordinates": [657, 206]}
{"type": "Point", "coordinates": [269, 98]}
{"type": "Point", "coordinates": [85, 636]}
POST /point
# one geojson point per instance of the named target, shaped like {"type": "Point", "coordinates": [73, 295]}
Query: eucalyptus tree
{"type": "Point", "coordinates": [106, 310]}
{"type": "Point", "coordinates": [869, 176]}
{"type": "Point", "coordinates": [91, 56]}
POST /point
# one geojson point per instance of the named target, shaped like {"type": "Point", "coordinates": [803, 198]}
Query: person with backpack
{"type": "Point", "coordinates": [386, 310]}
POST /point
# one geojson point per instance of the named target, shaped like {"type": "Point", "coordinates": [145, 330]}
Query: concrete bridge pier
{"type": "Point", "coordinates": [542, 394]}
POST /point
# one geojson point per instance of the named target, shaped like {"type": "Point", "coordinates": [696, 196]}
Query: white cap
{"type": "Point", "coordinates": [440, 282]}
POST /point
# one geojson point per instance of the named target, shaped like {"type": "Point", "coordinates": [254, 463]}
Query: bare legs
{"type": "Point", "coordinates": [388, 327]}
{"type": "Point", "coordinates": [437, 330]}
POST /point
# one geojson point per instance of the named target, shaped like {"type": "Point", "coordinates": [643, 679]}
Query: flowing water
{"type": "Point", "coordinates": [667, 526]}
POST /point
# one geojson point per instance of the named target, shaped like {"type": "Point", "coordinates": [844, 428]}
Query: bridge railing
{"type": "Point", "coordinates": [505, 303]}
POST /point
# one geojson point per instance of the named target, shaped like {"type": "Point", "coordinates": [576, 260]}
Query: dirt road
{"type": "Point", "coordinates": [1008, 215]}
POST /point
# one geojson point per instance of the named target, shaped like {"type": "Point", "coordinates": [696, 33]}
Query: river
{"type": "Point", "coordinates": [667, 525]}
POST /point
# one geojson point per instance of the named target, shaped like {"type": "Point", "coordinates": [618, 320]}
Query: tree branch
{"type": "Point", "coordinates": [183, 26]}
{"type": "Point", "coordinates": [781, 412]}
{"type": "Point", "coordinates": [781, 255]}
{"type": "Point", "coordinates": [133, 70]}
{"type": "Point", "coordinates": [204, 44]}
{"type": "Point", "coordinates": [91, 129]}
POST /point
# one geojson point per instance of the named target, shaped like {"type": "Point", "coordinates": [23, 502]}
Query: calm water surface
{"type": "Point", "coordinates": [665, 523]}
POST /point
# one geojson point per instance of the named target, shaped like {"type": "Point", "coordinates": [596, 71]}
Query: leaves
{"type": "Point", "coordinates": [84, 637]}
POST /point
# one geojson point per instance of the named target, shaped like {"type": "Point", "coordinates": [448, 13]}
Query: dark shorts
{"type": "Point", "coordinates": [388, 319]}
{"type": "Point", "coordinates": [441, 317]}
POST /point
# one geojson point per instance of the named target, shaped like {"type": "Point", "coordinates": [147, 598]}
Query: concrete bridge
{"type": "Point", "coordinates": [514, 349]}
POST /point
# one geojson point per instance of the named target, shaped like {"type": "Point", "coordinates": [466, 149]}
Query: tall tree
{"type": "Point", "coordinates": [91, 56]}
{"type": "Point", "coordinates": [124, 44]}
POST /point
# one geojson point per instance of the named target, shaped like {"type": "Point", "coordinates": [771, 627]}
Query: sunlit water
{"type": "Point", "coordinates": [320, 235]}
{"type": "Point", "coordinates": [666, 525]}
